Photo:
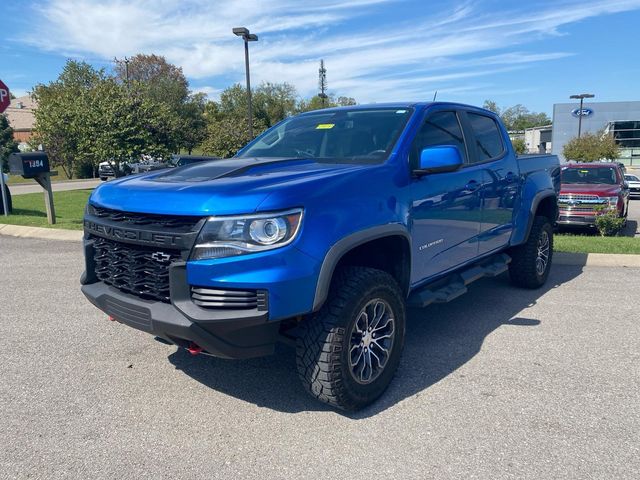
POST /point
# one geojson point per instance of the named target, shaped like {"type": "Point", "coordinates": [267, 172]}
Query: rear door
{"type": "Point", "coordinates": [500, 179]}
{"type": "Point", "coordinates": [445, 209]}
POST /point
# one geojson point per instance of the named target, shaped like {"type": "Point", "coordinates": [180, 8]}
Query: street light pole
{"type": "Point", "coordinates": [581, 96]}
{"type": "Point", "coordinates": [246, 67]}
{"type": "Point", "coordinates": [247, 37]}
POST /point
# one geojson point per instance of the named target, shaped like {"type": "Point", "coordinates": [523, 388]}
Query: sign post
{"type": "Point", "coordinates": [5, 101]}
{"type": "Point", "coordinates": [36, 165]}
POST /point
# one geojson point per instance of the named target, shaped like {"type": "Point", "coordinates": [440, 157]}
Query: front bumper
{"type": "Point", "coordinates": [237, 333]}
{"type": "Point", "coordinates": [225, 334]}
{"type": "Point", "coordinates": [569, 219]}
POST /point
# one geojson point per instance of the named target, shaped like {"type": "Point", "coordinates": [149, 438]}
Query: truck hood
{"type": "Point", "coordinates": [218, 187]}
{"type": "Point", "coordinates": [602, 190]}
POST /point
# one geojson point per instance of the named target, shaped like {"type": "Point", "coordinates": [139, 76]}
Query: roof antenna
{"type": "Point", "coordinates": [435, 95]}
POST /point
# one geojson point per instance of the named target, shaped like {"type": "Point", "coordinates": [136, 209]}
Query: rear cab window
{"type": "Point", "coordinates": [488, 137]}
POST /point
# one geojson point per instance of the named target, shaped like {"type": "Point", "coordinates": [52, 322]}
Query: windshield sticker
{"type": "Point", "coordinates": [325, 126]}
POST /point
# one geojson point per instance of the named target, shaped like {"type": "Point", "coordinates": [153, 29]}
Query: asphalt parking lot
{"type": "Point", "coordinates": [500, 384]}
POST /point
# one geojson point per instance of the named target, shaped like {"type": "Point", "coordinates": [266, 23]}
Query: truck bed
{"type": "Point", "coordinates": [537, 162]}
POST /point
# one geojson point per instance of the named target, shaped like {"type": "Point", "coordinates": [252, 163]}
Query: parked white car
{"type": "Point", "coordinates": [634, 184]}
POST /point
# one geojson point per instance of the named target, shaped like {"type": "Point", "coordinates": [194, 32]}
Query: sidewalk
{"type": "Point", "coordinates": [41, 233]}
{"type": "Point", "coordinates": [22, 188]}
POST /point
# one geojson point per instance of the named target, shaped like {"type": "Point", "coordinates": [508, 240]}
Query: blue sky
{"type": "Point", "coordinates": [534, 53]}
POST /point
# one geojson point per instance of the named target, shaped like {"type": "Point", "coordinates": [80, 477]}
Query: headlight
{"type": "Point", "coordinates": [613, 201]}
{"type": "Point", "coordinates": [229, 236]}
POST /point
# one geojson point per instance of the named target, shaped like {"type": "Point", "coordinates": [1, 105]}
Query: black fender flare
{"type": "Point", "coordinates": [540, 196]}
{"type": "Point", "coordinates": [343, 246]}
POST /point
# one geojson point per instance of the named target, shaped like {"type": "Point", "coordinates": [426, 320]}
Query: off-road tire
{"type": "Point", "coordinates": [522, 269]}
{"type": "Point", "coordinates": [324, 342]}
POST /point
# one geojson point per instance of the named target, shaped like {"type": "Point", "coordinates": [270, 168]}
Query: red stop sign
{"type": "Point", "coordinates": [5, 98]}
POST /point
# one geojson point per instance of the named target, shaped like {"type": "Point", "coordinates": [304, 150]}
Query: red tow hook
{"type": "Point", "coordinates": [111, 319]}
{"type": "Point", "coordinates": [194, 349]}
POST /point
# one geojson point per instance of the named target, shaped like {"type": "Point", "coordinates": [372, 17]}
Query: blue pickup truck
{"type": "Point", "coordinates": [320, 233]}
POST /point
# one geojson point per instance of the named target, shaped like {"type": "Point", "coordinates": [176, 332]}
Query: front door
{"type": "Point", "coordinates": [446, 207]}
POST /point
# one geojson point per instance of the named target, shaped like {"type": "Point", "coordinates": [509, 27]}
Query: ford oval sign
{"type": "Point", "coordinates": [581, 112]}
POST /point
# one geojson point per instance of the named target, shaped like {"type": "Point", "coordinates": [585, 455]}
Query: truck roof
{"type": "Point", "coordinates": [397, 105]}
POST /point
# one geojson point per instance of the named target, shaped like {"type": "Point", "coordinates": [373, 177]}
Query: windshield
{"type": "Point", "coordinates": [606, 175]}
{"type": "Point", "coordinates": [359, 136]}
{"type": "Point", "coordinates": [631, 178]}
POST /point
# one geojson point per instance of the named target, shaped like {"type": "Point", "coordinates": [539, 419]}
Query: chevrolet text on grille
{"type": "Point", "coordinates": [133, 235]}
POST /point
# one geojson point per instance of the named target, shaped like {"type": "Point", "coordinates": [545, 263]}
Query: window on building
{"type": "Point", "coordinates": [626, 133]}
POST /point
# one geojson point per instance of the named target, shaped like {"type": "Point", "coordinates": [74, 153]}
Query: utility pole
{"type": "Point", "coordinates": [322, 82]}
{"type": "Point", "coordinates": [126, 68]}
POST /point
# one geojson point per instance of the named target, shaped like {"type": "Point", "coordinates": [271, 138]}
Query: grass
{"type": "Point", "coordinates": [595, 244]}
{"type": "Point", "coordinates": [29, 209]}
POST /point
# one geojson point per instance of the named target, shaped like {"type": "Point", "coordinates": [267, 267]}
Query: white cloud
{"type": "Point", "coordinates": [212, 93]}
{"type": "Point", "coordinates": [368, 56]}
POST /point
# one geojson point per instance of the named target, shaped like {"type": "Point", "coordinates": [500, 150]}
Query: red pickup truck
{"type": "Point", "coordinates": [588, 188]}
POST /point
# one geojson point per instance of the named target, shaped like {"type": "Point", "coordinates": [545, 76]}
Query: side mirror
{"type": "Point", "coordinates": [444, 158]}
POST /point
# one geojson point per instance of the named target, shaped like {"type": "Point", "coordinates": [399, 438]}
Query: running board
{"type": "Point", "coordinates": [453, 286]}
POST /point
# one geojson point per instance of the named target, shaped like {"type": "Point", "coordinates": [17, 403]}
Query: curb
{"type": "Point", "coordinates": [41, 233]}
{"type": "Point", "coordinates": [559, 258]}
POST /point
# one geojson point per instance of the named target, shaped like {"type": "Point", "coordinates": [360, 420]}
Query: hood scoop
{"type": "Point", "coordinates": [214, 169]}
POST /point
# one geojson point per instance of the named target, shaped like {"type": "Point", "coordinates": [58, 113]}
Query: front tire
{"type": "Point", "coordinates": [349, 351]}
{"type": "Point", "coordinates": [531, 261]}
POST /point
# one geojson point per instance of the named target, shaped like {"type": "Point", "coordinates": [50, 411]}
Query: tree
{"type": "Point", "coordinates": [591, 147]}
{"type": "Point", "coordinates": [7, 144]}
{"type": "Point", "coordinates": [192, 127]}
{"type": "Point", "coordinates": [61, 120]}
{"type": "Point", "coordinates": [316, 103]}
{"type": "Point", "coordinates": [274, 102]}
{"type": "Point", "coordinates": [125, 126]}
{"type": "Point", "coordinates": [227, 127]}
{"type": "Point", "coordinates": [271, 102]}
{"type": "Point", "coordinates": [519, 145]}
{"type": "Point", "coordinates": [154, 77]}
{"type": "Point", "coordinates": [227, 135]}
{"type": "Point", "coordinates": [517, 117]}
{"type": "Point", "coordinates": [491, 106]}
{"type": "Point", "coordinates": [162, 83]}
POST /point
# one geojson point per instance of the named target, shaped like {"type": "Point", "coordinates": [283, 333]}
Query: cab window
{"type": "Point", "coordinates": [487, 137]}
{"type": "Point", "coordinates": [440, 128]}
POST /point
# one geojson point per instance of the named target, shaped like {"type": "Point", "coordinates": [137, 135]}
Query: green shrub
{"type": "Point", "coordinates": [609, 223]}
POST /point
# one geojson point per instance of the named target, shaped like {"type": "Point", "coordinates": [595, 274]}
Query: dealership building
{"type": "Point", "coordinates": [620, 119]}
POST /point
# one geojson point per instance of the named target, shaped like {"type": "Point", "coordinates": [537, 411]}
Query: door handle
{"type": "Point", "coordinates": [511, 177]}
{"type": "Point", "coordinates": [472, 186]}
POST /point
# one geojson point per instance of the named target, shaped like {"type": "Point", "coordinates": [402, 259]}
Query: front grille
{"type": "Point", "coordinates": [141, 271]}
{"type": "Point", "coordinates": [588, 209]}
{"type": "Point", "coordinates": [177, 223]}
{"type": "Point", "coordinates": [578, 196]}
{"type": "Point", "coordinates": [229, 299]}
{"type": "Point", "coordinates": [577, 202]}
